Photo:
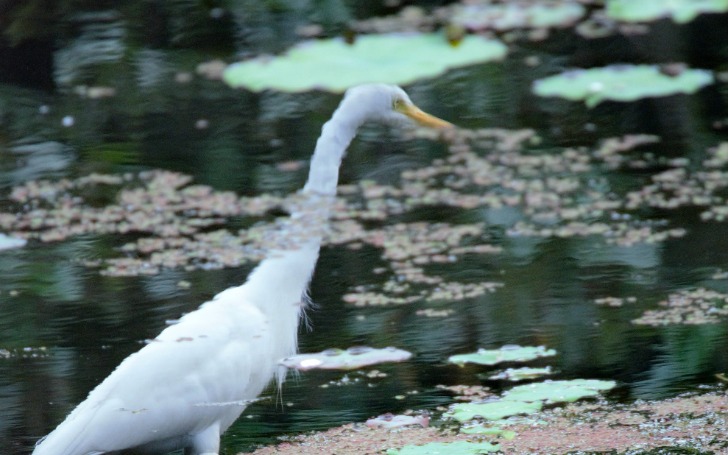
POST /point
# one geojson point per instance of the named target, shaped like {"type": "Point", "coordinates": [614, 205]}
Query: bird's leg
{"type": "Point", "coordinates": [206, 442]}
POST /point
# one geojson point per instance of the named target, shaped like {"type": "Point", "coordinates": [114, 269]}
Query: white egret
{"type": "Point", "coordinates": [188, 385]}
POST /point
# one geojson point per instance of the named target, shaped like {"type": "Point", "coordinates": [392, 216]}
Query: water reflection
{"type": "Point", "coordinates": [100, 40]}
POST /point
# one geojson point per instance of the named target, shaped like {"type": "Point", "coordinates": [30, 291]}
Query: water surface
{"type": "Point", "coordinates": [66, 327]}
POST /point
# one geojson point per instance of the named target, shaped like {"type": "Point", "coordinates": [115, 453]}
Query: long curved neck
{"type": "Point", "coordinates": [282, 278]}
{"type": "Point", "coordinates": [295, 243]}
{"type": "Point", "coordinates": [336, 135]}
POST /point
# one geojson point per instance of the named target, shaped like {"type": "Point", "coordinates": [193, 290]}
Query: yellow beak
{"type": "Point", "coordinates": [422, 117]}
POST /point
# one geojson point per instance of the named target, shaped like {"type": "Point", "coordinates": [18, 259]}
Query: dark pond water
{"type": "Point", "coordinates": [67, 326]}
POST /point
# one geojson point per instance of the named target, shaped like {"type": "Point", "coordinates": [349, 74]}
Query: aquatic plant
{"type": "Point", "coordinates": [508, 353]}
{"type": "Point", "coordinates": [349, 359]}
{"type": "Point", "coordinates": [492, 410]}
{"type": "Point", "coordinates": [508, 16]}
{"type": "Point", "coordinates": [622, 83]}
{"type": "Point", "coordinates": [450, 448]}
{"type": "Point", "coordinates": [680, 11]}
{"type": "Point", "coordinates": [688, 307]}
{"type": "Point", "coordinates": [551, 392]}
{"type": "Point", "coordinates": [391, 58]}
{"type": "Point", "coordinates": [520, 374]}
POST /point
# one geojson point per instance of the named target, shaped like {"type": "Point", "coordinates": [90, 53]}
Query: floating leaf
{"type": "Point", "coordinates": [492, 410]}
{"type": "Point", "coordinates": [622, 83]}
{"type": "Point", "coordinates": [519, 374]}
{"type": "Point", "coordinates": [468, 392]}
{"type": "Point", "coordinates": [680, 11]}
{"type": "Point", "coordinates": [449, 448]}
{"type": "Point", "coordinates": [390, 421]}
{"type": "Point", "coordinates": [7, 242]}
{"type": "Point", "coordinates": [350, 359]}
{"type": "Point", "coordinates": [689, 307]}
{"type": "Point", "coordinates": [508, 16]}
{"type": "Point", "coordinates": [508, 353]}
{"type": "Point", "coordinates": [491, 431]}
{"type": "Point", "coordinates": [557, 391]}
{"type": "Point", "coordinates": [333, 65]}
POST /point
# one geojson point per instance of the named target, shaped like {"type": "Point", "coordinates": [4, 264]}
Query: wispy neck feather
{"type": "Point", "coordinates": [336, 135]}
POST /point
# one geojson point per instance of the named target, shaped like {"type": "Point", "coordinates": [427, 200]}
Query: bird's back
{"type": "Point", "coordinates": [193, 380]}
{"type": "Point", "coordinates": [195, 375]}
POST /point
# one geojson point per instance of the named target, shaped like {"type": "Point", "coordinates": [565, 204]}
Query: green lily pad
{"type": "Point", "coordinates": [622, 83]}
{"type": "Point", "coordinates": [680, 11]}
{"type": "Point", "coordinates": [557, 391]}
{"type": "Point", "coordinates": [446, 448]}
{"type": "Point", "coordinates": [492, 410]}
{"type": "Point", "coordinates": [520, 374]}
{"type": "Point", "coordinates": [391, 421]}
{"type": "Point", "coordinates": [489, 431]}
{"type": "Point", "coordinates": [334, 65]}
{"type": "Point", "coordinates": [350, 359]}
{"type": "Point", "coordinates": [508, 353]}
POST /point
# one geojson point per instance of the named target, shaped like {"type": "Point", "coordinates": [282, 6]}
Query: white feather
{"type": "Point", "coordinates": [188, 385]}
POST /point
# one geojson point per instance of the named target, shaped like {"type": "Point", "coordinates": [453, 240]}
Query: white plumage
{"type": "Point", "coordinates": [189, 384]}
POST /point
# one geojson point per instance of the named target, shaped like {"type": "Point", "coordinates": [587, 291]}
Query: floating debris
{"type": "Point", "coordinates": [390, 421]}
{"type": "Point", "coordinates": [614, 301]}
{"type": "Point", "coordinates": [173, 223]}
{"type": "Point", "coordinates": [685, 424]}
{"type": "Point", "coordinates": [161, 207]}
{"type": "Point", "coordinates": [408, 19]}
{"type": "Point", "coordinates": [468, 392]}
{"type": "Point", "coordinates": [482, 17]}
{"type": "Point", "coordinates": [212, 69]}
{"type": "Point", "coordinates": [508, 16]}
{"type": "Point", "coordinates": [433, 313]}
{"type": "Point", "coordinates": [25, 353]}
{"type": "Point", "coordinates": [349, 359]}
{"type": "Point", "coordinates": [688, 307]}
{"type": "Point", "coordinates": [343, 381]}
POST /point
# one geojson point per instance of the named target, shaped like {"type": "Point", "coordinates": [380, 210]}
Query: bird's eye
{"type": "Point", "coordinates": [397, 104]}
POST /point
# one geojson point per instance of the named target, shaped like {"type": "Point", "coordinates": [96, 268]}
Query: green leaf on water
{"type": "Point", "coordinates": [508, 353]}
{"type": "Point", "coordinates": [557, 391]}
{"type": "Point", "coordinates": [334, 65]}
{"type": "Point", "coordinates": [350, 359]}
{"type": "Point", "coordinates": [680, 11]}
{"type": "Point", "coordinates": [520, 374]}
{"type": "Point", "coordinates": [487, 430]}
{"type": "Point", "coordinates": [491, 410]}
{"type": "Point", "coordinates": [446, 448]}
{"type": "Point", "coordinates": [622, 83]}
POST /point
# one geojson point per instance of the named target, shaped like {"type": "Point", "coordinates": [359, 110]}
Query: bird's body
{"type": "Point", "coordinates": [189, 384]}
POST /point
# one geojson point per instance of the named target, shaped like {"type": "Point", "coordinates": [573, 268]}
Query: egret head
{"type": "Point", "coordinates": [390, 104]}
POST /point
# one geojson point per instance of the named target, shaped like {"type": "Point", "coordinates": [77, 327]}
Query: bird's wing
{"type": "Point", "coordinates": [195, 373]}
